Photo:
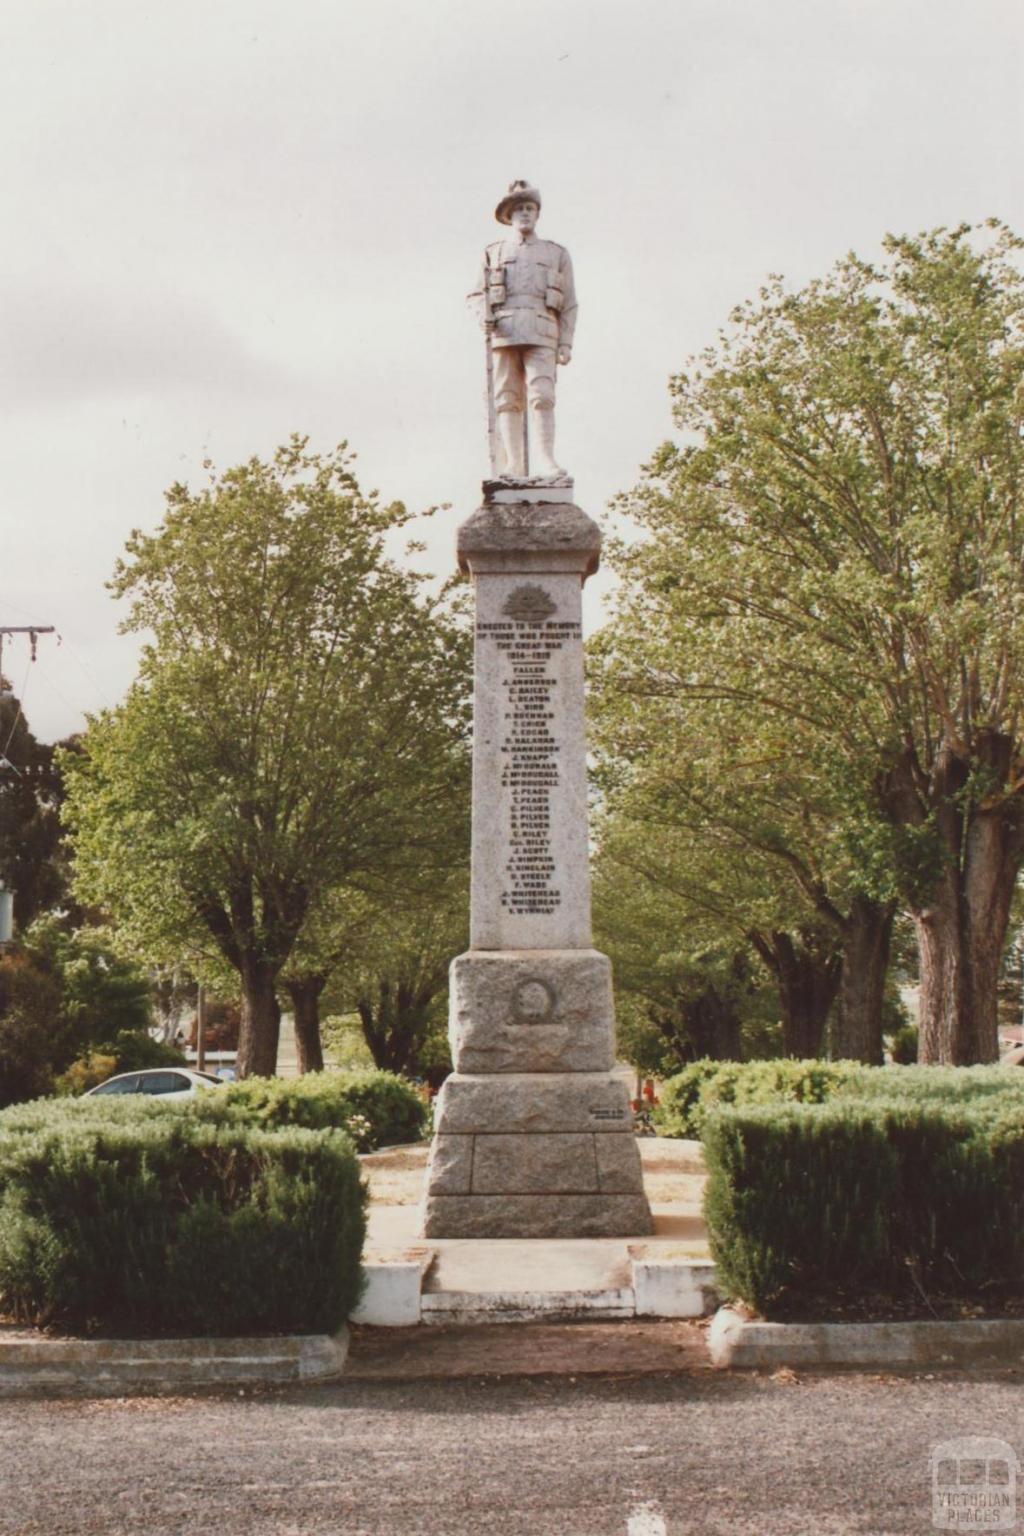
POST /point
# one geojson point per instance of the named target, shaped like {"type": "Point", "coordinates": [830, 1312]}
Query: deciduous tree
{"type": "Point", "coordinates": [292, 727]}
{"type": "Point", "coordinates": [833, 556]}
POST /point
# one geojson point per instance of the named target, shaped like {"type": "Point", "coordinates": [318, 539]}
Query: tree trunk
{"type": "Point", "coordinates": [305, 992]}
{"type": "Point", "coordinates": [261, 1020]}
{"type": "Point", "coordinates": [807, 977]}
{"type": "Point", "coordinates": [395, 1024]}
{"type": "Point", "coordinates": [961, 928]}
{"type": "Point", "coordinates": [960, 938]}
{"type": "Point", "coordinates": [713, 1025]}
{"type": "Point", "coordinates": [867, 938]}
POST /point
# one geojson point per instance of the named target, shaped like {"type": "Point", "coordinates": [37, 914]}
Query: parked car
{"type": "Point", "coordinates": [167, 1082]}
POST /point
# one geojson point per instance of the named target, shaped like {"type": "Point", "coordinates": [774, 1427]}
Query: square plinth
{"type": "Point", "coordinates": [531, 1011]}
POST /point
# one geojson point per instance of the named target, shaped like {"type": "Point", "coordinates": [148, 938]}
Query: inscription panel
{"type": "Point", "coordinates": [530, 875]}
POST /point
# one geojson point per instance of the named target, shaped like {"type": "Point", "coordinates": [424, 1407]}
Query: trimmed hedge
{"type": "Point", "coordinates": [887, 1199]}
{"type": "Point", "coordinates": [386, 1109]}
{"type": "Point", "coordinates": [705, 1086]}
{"type": "Point", "coordinates": [142, 1223]}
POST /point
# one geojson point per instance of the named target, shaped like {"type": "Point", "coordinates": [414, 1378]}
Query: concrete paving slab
{"type": "Point", "coordinates": [677, 1226]}
{"type": "Point", "coordinates": [499, 1265]}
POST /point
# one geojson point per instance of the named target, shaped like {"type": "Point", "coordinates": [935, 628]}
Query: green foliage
{"type": "Point", "coordinates": [134, 1052]}
{"type": "Point", "coordinates": [688, 982]}
{"type": "Point", "coordinates": [67, 995]}
{"type": "Point", "coordinates": [35, 1037]}
{"type": "Point", "coordinates": [85, 1073]}
{"type": "Point", "coordinates": [894, 1200]}
{"type": "Point", "coordinates": [904, 1046]}
{"type": "Point", "coordinates": [813, 686]}
{"type": "Point", "coordinates": [31, 860]}
{"type": "Point", "coordinates": [129, 1051]}
{"type": "Point", "coordinates": [395, 947]}
{"type": "Point", "coordinates": [704, 1086]}
{"type": "Point", "coordinates": [344, 1043]}
{"type": "Point", "coordinates": [148, 1221]}
{"type": "Point", "coordinates": [390, 1106]}
{"type": "Point", "coordinates": [680, 1112]}
{"type": "Point", "coordinates": [297, 724]}
{"type": "Point", "coordinates": [102, 993]}
{"type": "Point", "coordinates": [780, 1180]}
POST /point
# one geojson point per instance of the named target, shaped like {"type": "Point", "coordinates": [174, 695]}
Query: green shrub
{"type": "Point", "coordinates": [678, 1114]}
{"type": "Point", "coordinates": [904, 1046]}
{"type": "Point", "coordinates": [130, 1050]}
{"type": "Point", "coordinates": [709, 1085]}
{"type": "Point", "coordinates": [147, 1221]}
{"type": "Point", "coordinates": [893, 1199]}
{"type": "Point", "coordinates": [389, 1109]}
{"type": "Point", "coordinates": [85, 1073]}
{"type": "Point", "coordinates": [36, 1039]}
{"type": "Point", "coordinates": [998, 1088]}
{"type": "Point", "coordinates": [706, 1085]}
{"type": "Point", "coordinates": [134, 1051]}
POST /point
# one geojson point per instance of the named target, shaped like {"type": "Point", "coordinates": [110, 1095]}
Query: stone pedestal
{"type": "Point", "coordinates": [534, 1134]}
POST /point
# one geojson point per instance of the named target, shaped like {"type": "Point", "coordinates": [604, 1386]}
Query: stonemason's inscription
{"type": "Point", "coordinates": [529, 604]}
{"type": "Point", "coordinates": [530, 751]}
{"type": "Point", "coordinates": [533, 1002]}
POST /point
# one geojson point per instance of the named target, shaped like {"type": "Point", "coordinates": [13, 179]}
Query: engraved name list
{"type": "Point", "coordinates": [530, 751]}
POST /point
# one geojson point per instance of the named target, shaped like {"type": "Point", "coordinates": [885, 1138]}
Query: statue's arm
{"type": "Point", "coordinates": [477, 297]}
{"type": "Point", "coordinates": [567, 317]}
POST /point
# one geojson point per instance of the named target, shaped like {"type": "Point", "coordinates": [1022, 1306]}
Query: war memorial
{"type": "Point", "coordinates": [533, 1129]}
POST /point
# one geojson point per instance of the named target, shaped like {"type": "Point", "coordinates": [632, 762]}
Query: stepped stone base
{"type": "Point", "coordinates": [536, 1216]}
{"type": "Point", "coordinates": [535, 1155]}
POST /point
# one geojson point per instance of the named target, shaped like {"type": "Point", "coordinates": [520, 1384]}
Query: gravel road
{"type": "Point", "coordinates": [660, 1456]}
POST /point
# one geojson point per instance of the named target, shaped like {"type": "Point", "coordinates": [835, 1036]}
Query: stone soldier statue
{"type": "Point", "coordinates": [527, 305]}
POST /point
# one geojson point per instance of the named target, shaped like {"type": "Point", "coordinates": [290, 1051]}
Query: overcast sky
{"type": "Point", "coordinates": [228, 220]}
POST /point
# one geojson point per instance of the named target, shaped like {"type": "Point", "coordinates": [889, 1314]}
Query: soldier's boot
{"type": "Point", "coordinates": [510, 434]}
{"type": "Point", "coordinates": [543, 455]}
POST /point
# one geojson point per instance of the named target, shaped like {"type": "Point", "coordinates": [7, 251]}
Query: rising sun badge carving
{"type": "Point", "coordinates": [529, 605]}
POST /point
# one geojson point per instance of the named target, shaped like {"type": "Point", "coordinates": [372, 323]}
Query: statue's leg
{"type": "Point", "coordinates": [509, 401]}
{"type": "Point", "coordinates": [539, 366]}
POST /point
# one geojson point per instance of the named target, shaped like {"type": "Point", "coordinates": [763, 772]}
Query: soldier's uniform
{"type": "Point", "coordinates": [526, 287]}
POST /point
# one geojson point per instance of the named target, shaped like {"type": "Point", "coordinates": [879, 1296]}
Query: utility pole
{"type": "Point", "coordinates": [201, 1028]}
{"type": "Point", "coordinates": [32, 630]}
